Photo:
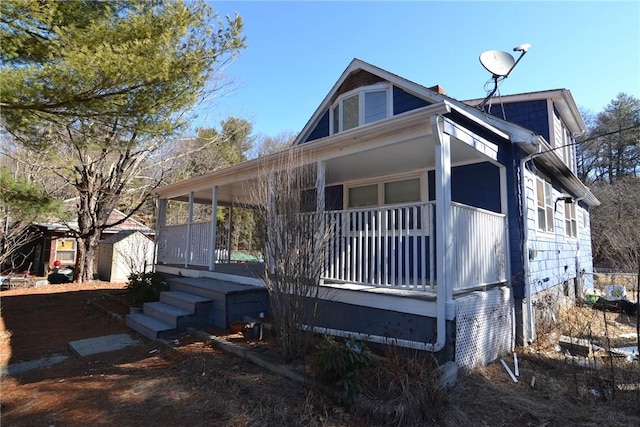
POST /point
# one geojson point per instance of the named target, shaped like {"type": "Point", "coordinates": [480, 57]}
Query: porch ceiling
{"type": "Point", "coordinates": [417, 153]}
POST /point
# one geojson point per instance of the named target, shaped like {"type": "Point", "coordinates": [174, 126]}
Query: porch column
{"type": "Point", "coordinates": [161, 222]}
{"type": "Point", "coordinates": [320, 183]}
{"type": "Point", "coordinates": [229, 226]}
{"type": "Point", "coordinates": [187, 251]}
{"type": "Point", "coordinates": [270, 221]}
{"type": "Point", "coordinates": [320, 208]}
{"type": "Point", "coordinates": [444, 219]}
{"type": "Point", "coordinates": [214, 228]}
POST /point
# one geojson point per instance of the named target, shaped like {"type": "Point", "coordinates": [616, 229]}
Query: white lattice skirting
{"type": "Point", "coordinates": [485, 327]}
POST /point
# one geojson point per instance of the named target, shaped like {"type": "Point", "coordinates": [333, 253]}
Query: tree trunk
{"type": "Point", "coordinates": [86, 254]}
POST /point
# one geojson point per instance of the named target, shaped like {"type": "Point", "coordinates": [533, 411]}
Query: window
{"type": "Point", "coordinates": [66, 250]}
{"type": "Point", "coordinates": [567, 153]}
{"type": "Point", "coordinates": [570, 223]}
{"type": "Point", "coordinates": [390, 193]}
{"type": "Point", "coordinates": [367, 195]}
{"type": "Point", "coordinates": [385, 193]}
{"type": "Point", "coordinates": [545, 205]}
{"type": "Point", "coordinates": [360, 106]}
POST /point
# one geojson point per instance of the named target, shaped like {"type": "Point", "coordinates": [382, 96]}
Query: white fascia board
{"type": "Point", "coordinates": [485, 147]}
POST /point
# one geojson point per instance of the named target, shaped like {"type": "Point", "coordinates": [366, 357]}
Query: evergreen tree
{"type": "Point", "coordinates": [97, 87]}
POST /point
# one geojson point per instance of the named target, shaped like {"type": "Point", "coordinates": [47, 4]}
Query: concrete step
{"type": "Point", "coordinates": [183, 300]}
{"type": "Point", "coordinates": [148, 326]}
{"type": "Point", "coordinates": [167, 313]}
{"type": "Point", "coordinates": [210, 288]}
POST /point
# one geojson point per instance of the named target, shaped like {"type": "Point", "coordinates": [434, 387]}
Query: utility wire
{"type": "Point", "coordinates": [590, 139]}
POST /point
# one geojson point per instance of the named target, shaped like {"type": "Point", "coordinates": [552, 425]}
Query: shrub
{"type": "Point", "coordinates": [145, 287]}
{"type": "Point", "coordinates": [341, 364]}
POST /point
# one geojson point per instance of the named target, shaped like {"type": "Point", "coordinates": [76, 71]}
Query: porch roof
{"type": "Point", "coordinates": [396, 145]}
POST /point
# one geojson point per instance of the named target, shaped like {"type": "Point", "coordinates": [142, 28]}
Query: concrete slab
{"type": "Point", "coordinates": [21, 367]}
{"type": "Point", "coordinates": [102, 344]}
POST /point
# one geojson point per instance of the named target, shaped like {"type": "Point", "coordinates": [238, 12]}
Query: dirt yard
{"type": "Point", "coordinates": [192, 383]}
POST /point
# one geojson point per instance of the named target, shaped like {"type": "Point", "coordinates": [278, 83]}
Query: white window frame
{"type": "Point", "coordinates": [547, 207]}
{"type": "Point", "coordinates": [380, 183]}
{"type": "Point", "coordinates": [570, 220]}
{"type": "Point", "coordinates": [360, 92]}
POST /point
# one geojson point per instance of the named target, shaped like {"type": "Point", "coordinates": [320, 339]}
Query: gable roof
{"type": "Point", "coordinates": [562, 101]}
{"type": "Point", "coordinates": [431, 95]}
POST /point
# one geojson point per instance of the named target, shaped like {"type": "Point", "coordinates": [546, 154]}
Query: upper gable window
{"type": "Point", "coordinates": [361, 106]}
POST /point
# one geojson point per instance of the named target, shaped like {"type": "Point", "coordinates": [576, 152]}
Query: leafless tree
{"type": "Point", "coordinates": [295, 236]}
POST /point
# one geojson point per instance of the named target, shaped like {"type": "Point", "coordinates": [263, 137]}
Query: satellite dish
{"type": "Point", "coordinates": [500, 64]}
{"type": "Point", "coordinates": [497, 62]}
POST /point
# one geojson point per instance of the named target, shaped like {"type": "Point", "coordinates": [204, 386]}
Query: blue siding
{"type": "Point", "coordinates": [332, 199]}
{"type": "Point", "coordinates": [403, 101]}
{"type": "Point", "coordinates": [476, 185]}
{"type": "Point", "coordinates": [530, 114]}
{"type": "Point", "coordinates": [322, 128]}
{"type": "Point", "coordinates": [386, 323]}
{"type": "Point", "coordinates": [516, 224]}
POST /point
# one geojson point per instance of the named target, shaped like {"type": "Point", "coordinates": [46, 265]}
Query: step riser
{"type": "Point", "coordinates": [168, 318]}
{"type": "Point", "coordinates": [141, 329]}
{"type": "Point", "coordinates": [195, 290]}
{"type": "Point", "coordinates": [185, 305]}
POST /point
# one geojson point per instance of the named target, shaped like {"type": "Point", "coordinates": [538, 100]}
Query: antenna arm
{"type": "Point", "coordinates": [523, 53]}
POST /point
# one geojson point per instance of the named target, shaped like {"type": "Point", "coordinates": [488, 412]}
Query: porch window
{"type": "Point", "coordinates": [405, 191]}
{"type": "Point", "coordinates": [360, 106]}
{"type": "Point", "coordinates": [66, 250]}
{"type": "Point", "coordinates": [366, 195]}
{"type": "Point", "coordinates": [570, 223]}
{"type": "Point", "coordinates": [545, 205]}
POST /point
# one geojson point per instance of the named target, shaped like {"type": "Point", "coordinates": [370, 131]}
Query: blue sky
{"type": "Point", "coordinates": [297, 50]}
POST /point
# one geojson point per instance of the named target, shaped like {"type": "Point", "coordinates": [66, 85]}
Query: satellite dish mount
{"type": "Point", "coordinates": [500, 64]}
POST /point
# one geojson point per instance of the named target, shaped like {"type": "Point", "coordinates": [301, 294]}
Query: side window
{"type": "Point", "coordinates": [570, 223]}
{"type": "Point", "coordinates": [545, 205]}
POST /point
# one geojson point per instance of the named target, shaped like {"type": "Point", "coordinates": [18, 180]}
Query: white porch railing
{"type": "Point", "coordinates": [172, 247]}
{"type": "Point", "coordinates": [395, 247]}
{"type": "Point", "coordinates": [390, 246]}
{"type": "Point", "coordinates": [382, 246]}
{"type": "Point", "coordinates": [479, 247]}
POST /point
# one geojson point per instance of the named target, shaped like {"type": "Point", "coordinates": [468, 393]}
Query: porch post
{"type": "Point", "coordinates": [229, 226]}
{"type": "Point", "coordinates": [161, 222]}
{"type": "Point", "coordinates": [270, 221]}
{"type": "Point", "coordinates": [187, 251]}
{"type": "Point", "coordinates": [214, 228]}
{"type": "Point", "coordinates": [320, 207]}
{"type": "Point", "coordinates": [320, 183]}
{"type": "Point", "coordinates": [444, 220]}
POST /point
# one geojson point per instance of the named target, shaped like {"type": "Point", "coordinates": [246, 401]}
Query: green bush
{"type": "Point", "coordinates": [341, 364]}
{"type": "Point", "coordinates": [145, 287]}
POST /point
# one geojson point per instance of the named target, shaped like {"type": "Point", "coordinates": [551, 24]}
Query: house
{"type": "Point", "coordinates": [55, 242]}
{"type": "Point", "coordinates": [458, 229]}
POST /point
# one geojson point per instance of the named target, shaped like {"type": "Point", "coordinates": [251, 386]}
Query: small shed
{"type": "Point", "coordinates": [123, 253]}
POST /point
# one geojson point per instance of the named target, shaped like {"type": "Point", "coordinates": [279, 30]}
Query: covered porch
{"type": "Point", "coordinates": [447, 237]}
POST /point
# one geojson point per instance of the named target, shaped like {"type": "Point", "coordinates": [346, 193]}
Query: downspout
{"type": "Point", "coordinates": [525, 243]}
